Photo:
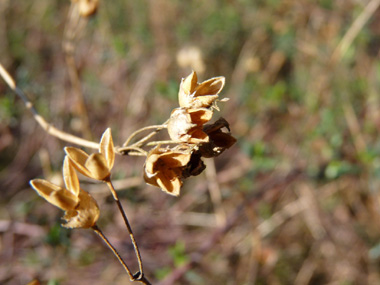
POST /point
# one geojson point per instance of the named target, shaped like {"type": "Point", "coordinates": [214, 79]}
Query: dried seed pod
{"type": "Point", "coordinates": [185, 125]}
{"type": "Point", "coordinates": [199, 95]}
{"type": "Point", "coordinates": [85, 214]}
{"type": "Point", "coordinates": [179, 125]}
{"type": "Point", "coordinates": [97, 166]}
{"type": "Point", "coordinates": [163, 168]}
{"type": "Point", "coordinates": [81, 210]}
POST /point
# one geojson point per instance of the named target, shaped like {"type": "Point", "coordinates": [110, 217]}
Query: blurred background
{"type": "Point", "coordinates": [294, 201]}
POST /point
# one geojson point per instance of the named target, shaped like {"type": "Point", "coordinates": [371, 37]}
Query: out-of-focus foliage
{"type": "Point", "coordinates": [293, 106]}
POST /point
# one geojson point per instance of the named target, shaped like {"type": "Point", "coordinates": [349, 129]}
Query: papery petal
{"type": "Point", "coordinates": [169, 182]}
{"type": "Point", "coordinates": [175, 160]}
{"type": "Point", "coordinates": [170, 185]}
{"type": "Point", "coordinates": [150, 164]}
{"type": "Point", "coordinates": [85, 214]}
{"type": "Point", "coordinates": [163, 168]}
{"type": "Point", "coordinates": [151, 179]}
{"type": "Point", "coordinates": [205, 101]}
{"type": "Point", "coordinates": [107, 148]}
{"type": "Point", "coordinates": [70, 177]}
{"type": "Point", "coordinates": [190, 83]}
{"type": "Point", "coordinates": [97, 166]}
{"type": "Point", "coordinates": [79, 158]}
{"type": "Point", "coordinates": [186, 89]}
{"type": "Point", "coordinates": [200, 116]}
{"type": "Point", "coordinates": [63, 199]}
{"type": "Point", "coordinates": [197, 136]}
{"type": "Point", "coordinates": [56, 195]}
{"type": "Point", "coordinates": [211, 86]}
{"type": "Point", "coordinates": [44, 187]}
{"type": "Point", "coordinates": [159, 159]}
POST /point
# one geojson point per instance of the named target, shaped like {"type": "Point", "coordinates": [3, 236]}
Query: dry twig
{"type": "Point", "coordinates": [50, 129]}
{"type": "Point", "coordinates": [354, 30]}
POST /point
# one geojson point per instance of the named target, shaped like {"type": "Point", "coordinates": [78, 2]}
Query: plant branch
{"type": "Point", "coordinates": [140, 142]}
{"type": "Point", "coordinates": [163, 142]}
{"type": "Point", "coordinates": [50, 129]}
{"type": "Point", "coordinates": [128, 149]}
{"type": "Point", "coordinates": [134, 277]}
{"type": "Point", "coordinates": [129, 228]}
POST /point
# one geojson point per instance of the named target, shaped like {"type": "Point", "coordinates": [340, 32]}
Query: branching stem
{"type": "Point", "coordinates": [139, 277]}
{"type": "Point", "coordinates": [128, 150]}
{"type": "Point", "coordinates": [140, 142]}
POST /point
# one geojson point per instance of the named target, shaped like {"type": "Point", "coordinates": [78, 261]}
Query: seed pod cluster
{"type": "Point", "coordinates": [187, 126]}
{"type": "Point", "coordinates": [81, 209]}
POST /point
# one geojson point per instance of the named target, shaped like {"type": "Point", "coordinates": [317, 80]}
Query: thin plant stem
{"type": "Point", "coordinates": [74, 24]}
{"type": "Point", "coordinates": [157, 127]}
{"type": "Point", "coordinates": [127, 149]}
{"type": "Point", "coordinates": [115, 252]}
{"type": "Point", "coordinates": [137, 151]}
{"type": "Point", "coordinates": [145, 139]}
{"type": "Point", "coordinates": [162, 142]}
{"type": "Point", "coordinates": [50, 129]}
{"type": "Point", "coordinates": [132, 153]}
{"type": "Point", "coordinates": [354, 29]}
{"type": "Point", "coordinates": [134, 277]}
{"type": "Point", "coordinates": [129, 228]}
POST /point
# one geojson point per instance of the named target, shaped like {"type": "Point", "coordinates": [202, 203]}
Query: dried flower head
{"type": "Point", "coordinates": [98, 165]}
{"type": "Point", "coordinates": [81, 210]}
{"type": "Point", "coordinates": [87, 7]}
{"type": "Point", "coordinates": [219, 141]}
{"type": "Point", "coordinates": [163, 168]}
{"type": "Point", "coordinates": [200, 95]}
{"type": "Point", "coordinates": [185, 125]}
